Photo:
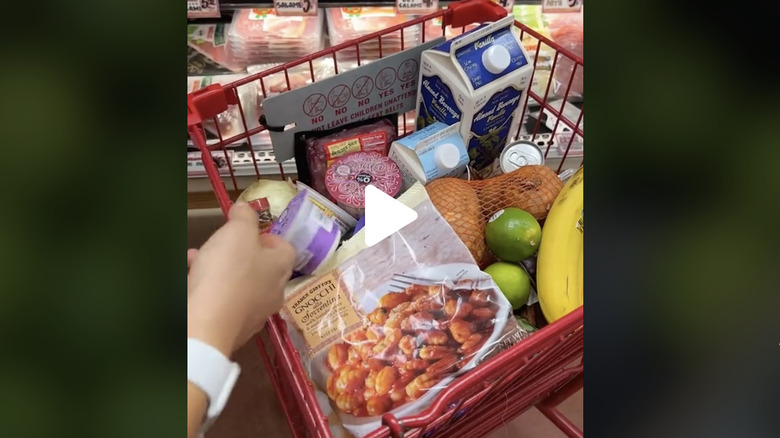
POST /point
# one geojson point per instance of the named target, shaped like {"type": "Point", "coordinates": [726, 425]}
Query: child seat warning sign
{"type": "Point", "coordinates": [385, 86]}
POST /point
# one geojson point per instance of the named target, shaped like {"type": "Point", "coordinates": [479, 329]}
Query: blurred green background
{"type": "Point", "coordinates": [93, 223]}
{"type": "Point", "coordinates": [682, 326]}
{"type": "Point", "coordinates": [681, 249]}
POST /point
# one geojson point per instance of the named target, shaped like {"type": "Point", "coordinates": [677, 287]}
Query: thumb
{"type": "Point", "coordinates": [191, 254]}
{"type": "Point", "coordinates": [242, 212]}
{"type": "Point", "coordinates": [285, 250]}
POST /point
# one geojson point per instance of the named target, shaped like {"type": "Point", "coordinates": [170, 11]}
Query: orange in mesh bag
{"type": "Point", "coordinates": [467, 205]}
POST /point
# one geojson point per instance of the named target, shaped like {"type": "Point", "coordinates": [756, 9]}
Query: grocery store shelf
{"type": "Point", "coordinates": [238, 4]}
{"type": "Point", "coordinates": [267, 166]}
{"type": "Point", "coordinates": [240, 157]}
{"type": "Point", "coordinates": [240, 161]}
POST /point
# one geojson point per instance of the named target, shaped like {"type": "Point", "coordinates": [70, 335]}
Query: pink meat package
{"type": "Point", "coordinates": [321, 152]}
{"type": "Point", "coordinates": [567, 30]}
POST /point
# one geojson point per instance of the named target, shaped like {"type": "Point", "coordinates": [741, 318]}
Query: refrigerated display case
{"type": "Point", "coordinates": [528, 12]}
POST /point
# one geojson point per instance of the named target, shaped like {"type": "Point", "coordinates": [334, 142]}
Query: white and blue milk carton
{"type": "Point", "coordinates": [433, 152]}
{"type": "Point", "coordinates": [479, 79]}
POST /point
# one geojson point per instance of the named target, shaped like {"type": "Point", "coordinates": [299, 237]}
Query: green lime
{"type": "Point", "coordinates": [513, 235]}
{"type": "Point", "coordinates": [513, 282]}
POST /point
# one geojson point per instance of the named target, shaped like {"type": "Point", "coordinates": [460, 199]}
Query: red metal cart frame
{"type": "Point", "coordinates": [541, 371]}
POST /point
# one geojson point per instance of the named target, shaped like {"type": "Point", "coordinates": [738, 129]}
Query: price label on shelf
{"type": "Point", "coordinates": [416, 7]}
{"type": "Point", "coordinates": [302, 7]}
{"type": "Point", "coordinates": [202, 8]}
{"type": "Point", "coordinates": [558, 6]}
{"type": "Point", "coordinates": [507, 4]}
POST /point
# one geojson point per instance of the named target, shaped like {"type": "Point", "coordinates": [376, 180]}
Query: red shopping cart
{"type": "Point", "coordinates": [541, 371]}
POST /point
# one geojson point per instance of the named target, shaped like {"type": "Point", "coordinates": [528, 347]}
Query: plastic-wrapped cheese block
{"type": "Point", "coordinates": [258, 36]}
{"type": "Point", "coordinates": [321, 152]}
{"type": "Point", "coordinates": [348, 177]}
{"type": "Point", "coordinates": [345, 24]}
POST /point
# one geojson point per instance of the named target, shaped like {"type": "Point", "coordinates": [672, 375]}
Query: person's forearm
{"type": "Point", "coordinates": [207, 331]}
{"type": "Point", "coordinates": [197, 403]}
{"type": "Point", "coordinates": [204, 327]}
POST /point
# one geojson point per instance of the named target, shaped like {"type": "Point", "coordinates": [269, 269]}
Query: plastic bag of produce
{"type": "Point", "coordinates": [394, 324]}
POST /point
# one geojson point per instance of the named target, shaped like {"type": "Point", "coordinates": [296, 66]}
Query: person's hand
{"type": "Point", "coordinates": [236, 281]}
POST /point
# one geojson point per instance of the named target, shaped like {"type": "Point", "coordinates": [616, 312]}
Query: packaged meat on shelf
{"type": "Point", "coordinates": [531, 16]}
{"type": "Point", "coordinates": [566, 29]}
{"type": "Point", "coordinates": [229, 122]}
{"type": "Point", "coordinates": [259, 36]}
{"type": "Point", "coordinates": [202, 65]}
{"type": "Point", "coordinates": [299, 76]}
{"type": "Point", "coordinates": [433, 29]}
{"type": "Point", "coordinates": [346, 24]}
{"type": "Point", "coordinates": [209, 39]}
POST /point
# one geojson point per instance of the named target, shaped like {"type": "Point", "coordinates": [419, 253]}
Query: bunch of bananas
{"type": "Point", "coordinates": [559, 263]}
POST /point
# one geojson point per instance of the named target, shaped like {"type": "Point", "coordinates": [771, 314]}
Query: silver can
{"type": "Point", "coordinates": [520, 153]}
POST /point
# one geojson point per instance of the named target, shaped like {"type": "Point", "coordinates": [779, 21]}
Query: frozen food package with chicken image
{"type": "Point", "coordinates": [390, 326]}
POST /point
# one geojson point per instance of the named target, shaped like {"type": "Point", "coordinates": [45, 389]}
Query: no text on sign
{"type": "Point", "coordinates": [418, 7]}
{"type": "Point", "coordinates": [559, 6]}
{"type": "Point", "coordinates": [295, 7]}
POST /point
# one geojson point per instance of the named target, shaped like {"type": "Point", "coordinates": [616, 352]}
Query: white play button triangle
{"type": "Point", "coordinates": [384, 215]}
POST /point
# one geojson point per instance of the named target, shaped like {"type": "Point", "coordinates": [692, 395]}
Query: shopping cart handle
{"type": "Point", "coordinates": [207, 102]}
{"type": "Point", "coordinates": [466, 12]}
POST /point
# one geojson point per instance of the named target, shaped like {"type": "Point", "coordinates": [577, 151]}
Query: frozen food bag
{"type": "Point", "coordinates": [389, 327]}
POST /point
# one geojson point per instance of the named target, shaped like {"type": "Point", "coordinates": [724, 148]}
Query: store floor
{"type": "Point", "coordinates": [253, 410]}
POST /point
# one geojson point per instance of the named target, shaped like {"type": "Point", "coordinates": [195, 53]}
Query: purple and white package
{"type": "Point", "coordinates": [314, 235]}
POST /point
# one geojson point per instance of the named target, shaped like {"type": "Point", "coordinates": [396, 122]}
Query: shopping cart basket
{"type": "Point", "coordinates": [542, 371]}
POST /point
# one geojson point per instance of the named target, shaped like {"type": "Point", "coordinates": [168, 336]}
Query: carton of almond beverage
{"type": "Point", "coordinates": [479, 79]}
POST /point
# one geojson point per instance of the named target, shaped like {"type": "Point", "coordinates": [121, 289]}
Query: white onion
{"type": "Point", "coordinates": [279, 194]}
